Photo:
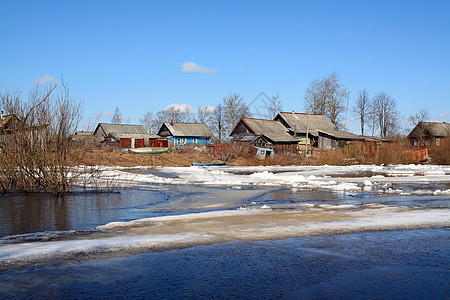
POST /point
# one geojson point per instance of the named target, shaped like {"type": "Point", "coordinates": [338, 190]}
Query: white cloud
{"type": "Point", "coordinates": [180, 107]}
{"type": "Point", "coordinates": [444, 116]}
{"type": "Point", "coordinates": [210, 109]}
{"type": "Point", "coordinates": [46, 79]}
{"type": "Point", "coordinates": [192, 67]}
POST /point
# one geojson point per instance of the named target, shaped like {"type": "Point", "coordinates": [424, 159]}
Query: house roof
{"type": "Point", "coordinates": [245, 137]}
{"type": "Point", "coordinates": [121, 135]}
{"type": "Point", "coordinates": [120, 128]}
{"type": "Point", "coordinates": [301, 122]}
{"type": "Point", "coordinates": [4, 120]}
{"type": "Point", "coordinates": [119, 131]}
{"type": "Point", "coordinates": [431, 128]}
{"type": "Point", "coordinates": [187, 129]}
{"type": "Point", "coordinates": [271, 129]}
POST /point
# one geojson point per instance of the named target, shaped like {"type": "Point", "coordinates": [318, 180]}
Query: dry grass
{"type": "Point", "coordinates": [391, 153]}
{"type": "Point", "coordinates": [440, 155]}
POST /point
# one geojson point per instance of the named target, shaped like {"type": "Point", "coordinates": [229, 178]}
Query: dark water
{"type": "Point", "coordinates": [42, 212]}
{"type": "Point", "coordinates": [378, 265]}
{"type": "Point", "coordinates": [410, 264]}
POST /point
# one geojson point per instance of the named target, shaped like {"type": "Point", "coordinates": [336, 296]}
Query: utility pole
{"type": "Point", "coordinates": [306, 140]}
{"type": "Point", "coordinates": [346, 109]}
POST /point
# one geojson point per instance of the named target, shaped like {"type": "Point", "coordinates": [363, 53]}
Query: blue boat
{"type": "Point", "coordinates": [209, 164]}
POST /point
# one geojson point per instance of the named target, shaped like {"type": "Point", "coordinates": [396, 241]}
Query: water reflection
{"type": "Point", "coordinates": [24, 213]}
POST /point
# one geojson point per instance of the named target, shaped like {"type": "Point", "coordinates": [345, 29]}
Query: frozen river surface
{"type": "Point", "coordinates": [241, 232]}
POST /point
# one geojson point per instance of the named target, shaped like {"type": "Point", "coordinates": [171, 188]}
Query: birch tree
{"type": "Point", "coordinates": [219, 123]}
{"type": "Point", "coordinates": [235, 109]}
{"type": "Point", "coordinates": [385, 113]}
{"type": "Point", "coordinates": [147, 121]}
{"type": "Point", "coordinates": [274, 107]}
{"type": "Point", "coordinates": [326, 96]}
{"type": "Point", "coordinates": [117, 117]}
{"type": "Point", "coordinates": [361, 109]}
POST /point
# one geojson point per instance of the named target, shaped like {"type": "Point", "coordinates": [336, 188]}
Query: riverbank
{"type": "Point", "coordinates": [389, 154]}
{"type": "Point", "coordinates": [177, 158]}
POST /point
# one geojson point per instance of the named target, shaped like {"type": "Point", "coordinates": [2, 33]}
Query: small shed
{"type": "Point", "coordinates": [157, 141]}
{"type": "Point", "coordinates": [261, 153]}
{"type": "Point", "coordinates": [127, 136]}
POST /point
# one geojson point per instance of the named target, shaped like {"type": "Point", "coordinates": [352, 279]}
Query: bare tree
{"type": "Point", "coordinates": [235, 109]}
{"type": "Point", "coordinates": [219, 123]}
{"type": "Point", "coordinates": [274, 107]}
{"type": "Point", "coordinates": [187, 114]}
{"type": "Point", "coordinates": [117, 117]}
{"type": "Point", "coordinates": [204, 114]}
{"type": "Point", "coordinates": [158, 120]}
{"type": "Point", "coordinates": [315, 97]}
{"type": "Point", "coordinates": [35, 152]}
{"type": "Point", "coordinates": [326, 96]}
{"type": "Point", "coordinates": [384, 109]}
{"type": "Point", "coordinates": [147, 121]}
{"type": "Point", "coordinates": [362, 108]}
{"type": "Point", "coordinates": [417, 121]}
{"type": "Point", "coordinates": [172, 114]}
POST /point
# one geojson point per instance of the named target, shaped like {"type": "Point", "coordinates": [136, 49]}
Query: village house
{"type": "Point", "coordinates": [181, 134]}
{"type": "Point", "coordinates": [127, 136]}
{"type": "Point", "coordinates": [321, 132]}
{"type": "Point", "coordinates": [6, 122]}
{"type": "Point", "coordinates": [263, 133]}
{"type": "Point", "coordinates": [429, 134]}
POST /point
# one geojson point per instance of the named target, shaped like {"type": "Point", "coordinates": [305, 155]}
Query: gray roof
{"type": "Point", "coordinates": [4, 120]}
{"type": "Point", "coordinates": [245, 137]}
{"type": "Point", "coordinates": [273, 130]}
{"type": "Point", "coordinates": [299, 122]}
{"type": "Point", "coordinates": [120, 128]}
{"type": "Point", "coordinates": [187, 129]}
{"type": "Point", "coordinates": [121, 135]}
{"type": "Point", "coordinates": [432, 128]}
{"type": "Point", "coordinates": [119, 131]}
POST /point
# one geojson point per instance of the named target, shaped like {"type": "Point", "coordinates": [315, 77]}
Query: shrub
{"type": "Point", "coordinates": [36, 145]}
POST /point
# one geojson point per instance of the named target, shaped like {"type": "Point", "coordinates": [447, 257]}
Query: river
{"type": "Point", "coordinates": [387, 238]}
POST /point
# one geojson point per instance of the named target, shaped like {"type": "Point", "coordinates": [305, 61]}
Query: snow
{"type": "Point", "coordinates": [334, 178]}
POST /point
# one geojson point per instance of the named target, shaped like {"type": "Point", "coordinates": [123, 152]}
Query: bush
{"type": "Point", "coordinates": [36, 145]}
{"type": "Point", "coordinates": [440, 155]}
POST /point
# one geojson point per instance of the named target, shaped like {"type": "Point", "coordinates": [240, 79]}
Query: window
{"type": "Point", "coordinates": [184, 141]}
{"type": "Point", "coordinates": [195, 141]}
{"type": "Point", "coordinates": [178, 141]}
{"type": "Point", "coordinates": [438, 142]}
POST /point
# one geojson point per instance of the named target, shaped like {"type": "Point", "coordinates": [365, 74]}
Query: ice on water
{"type": "Point", "coordinates": [220, 204]}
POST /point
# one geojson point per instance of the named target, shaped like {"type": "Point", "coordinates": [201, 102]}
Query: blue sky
{"type": "Point", "coordinates": [131, 54]}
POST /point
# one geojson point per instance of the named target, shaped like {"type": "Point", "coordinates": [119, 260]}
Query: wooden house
{"type": "Point", "coordinates": [127, 136]}
{"type": "Point", "coordinates": [316, 130]}
{"type": "Point", "coordinates": [181, 134]}
{"type": "Point", "coordinates": [429, 134]}
{"type": "Point", "coordinates": [264, 134]}
{"type": "Point", "coordinates": [7, 123]}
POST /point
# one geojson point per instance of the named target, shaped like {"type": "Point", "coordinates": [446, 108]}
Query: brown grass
{"type": "Point", "coordinates": [440, 155]}
{"type": "Point", "coordinates": [391, 153]}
